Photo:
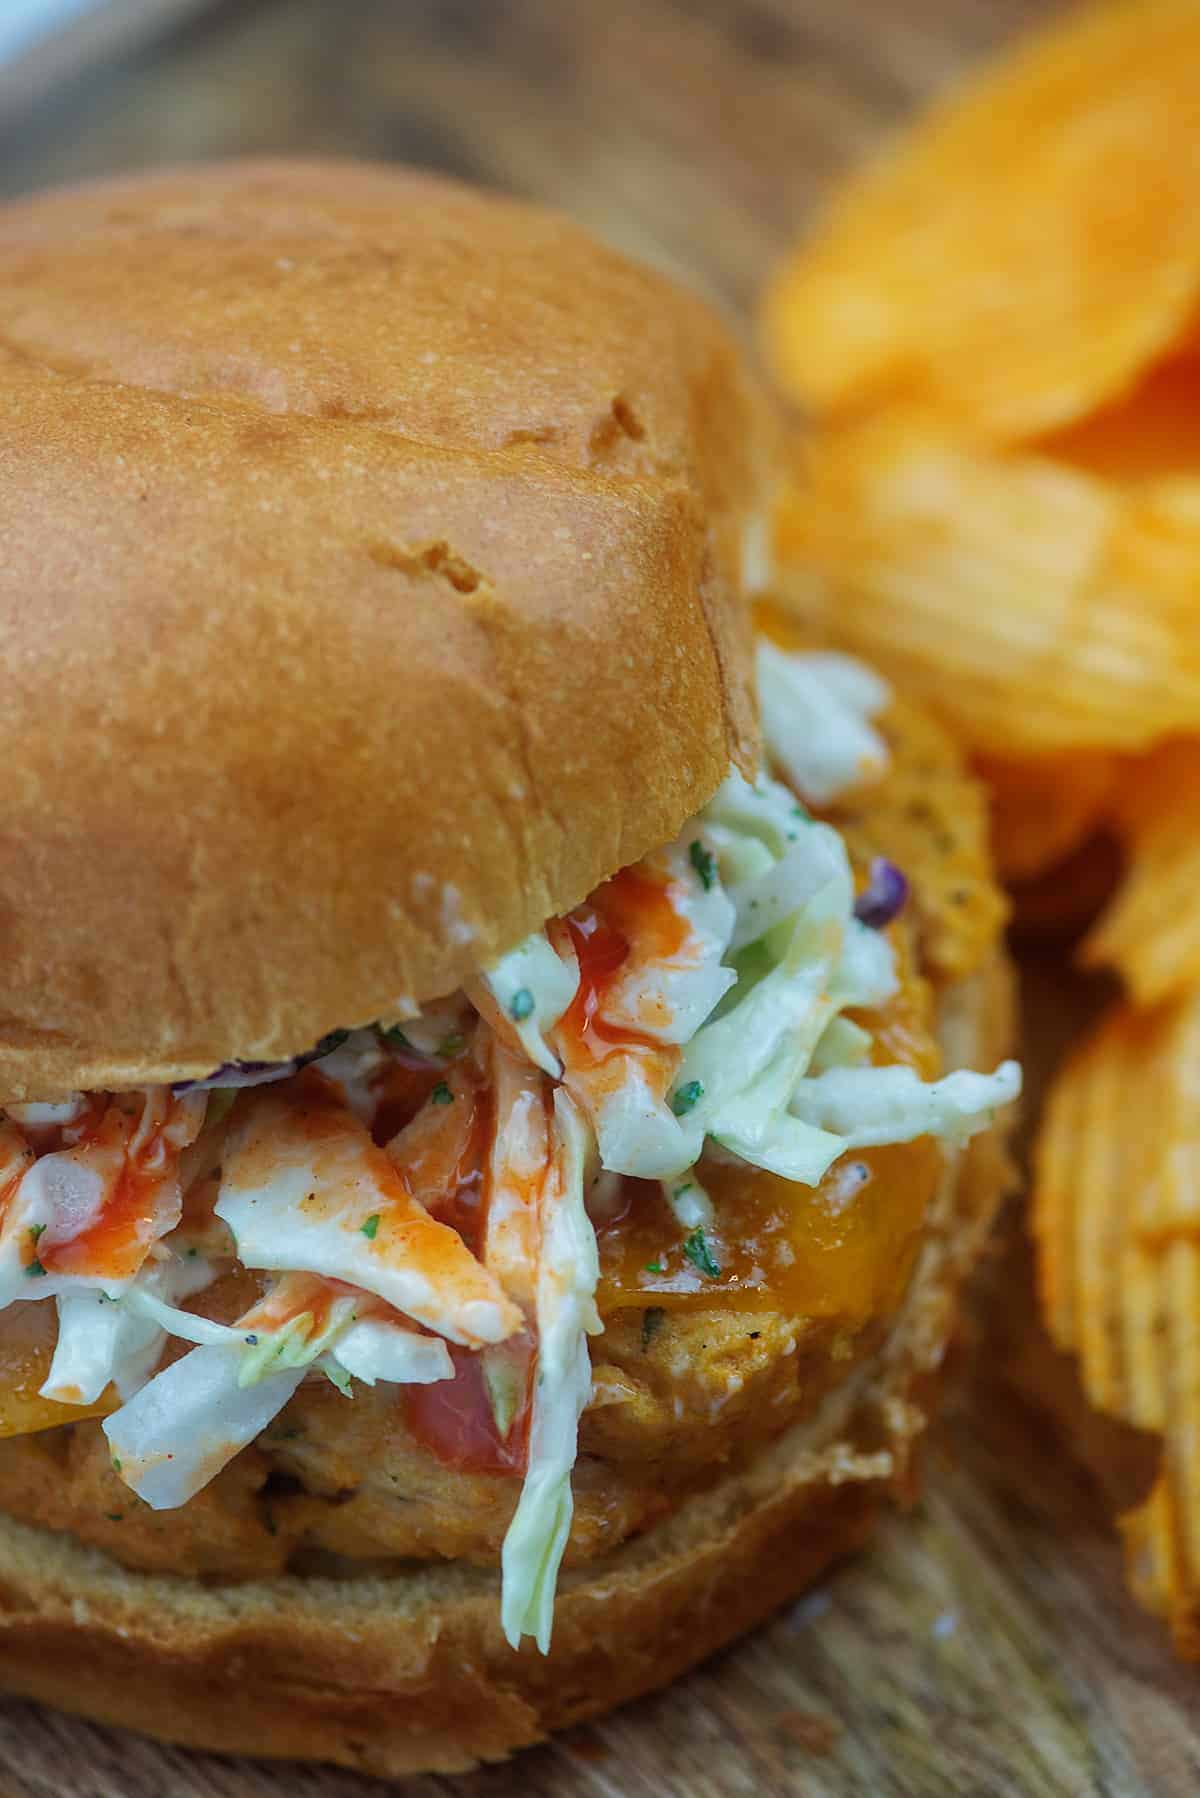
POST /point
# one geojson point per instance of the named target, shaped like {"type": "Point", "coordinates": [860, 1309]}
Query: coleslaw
{"type": "Point", "coordinates": [404, 1190]}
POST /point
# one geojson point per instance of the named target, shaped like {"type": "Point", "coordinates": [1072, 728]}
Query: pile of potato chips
{"type": "Point", "coordinates": [996, 335]}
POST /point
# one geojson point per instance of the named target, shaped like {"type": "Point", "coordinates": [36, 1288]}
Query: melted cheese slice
{"type": "Point", "coordinates": [27, 1336]}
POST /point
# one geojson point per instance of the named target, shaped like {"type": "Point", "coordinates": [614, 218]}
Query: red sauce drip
{"type": "Point", "coordinates": [462, 1209]}
{"type": "Point", "coordinates": [47, 1139]}
{"type": "Point", "coordinates": [453, 1419]}
{"type": "Point", "coordinates": [115, 1245]}
{"type": "Point", "coordinates": [601, 952]}
{"type": "Point", "coordinates": [630, 907]}
{"type": "Point", "coordinates": [8, 1191]}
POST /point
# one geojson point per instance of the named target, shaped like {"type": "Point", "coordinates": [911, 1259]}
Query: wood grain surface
{"type": "Point", "coordinates": [984, 1646]}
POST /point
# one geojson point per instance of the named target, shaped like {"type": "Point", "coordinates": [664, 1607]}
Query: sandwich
{"type": "Point", "coordinates": [502, 1057]}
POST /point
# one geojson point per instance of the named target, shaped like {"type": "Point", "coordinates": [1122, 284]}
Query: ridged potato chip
{"type": "Point", "coordinates": [1149, 434]}
{"type": "Point", "coordinates": [1151, 931]}
{"type": "Point", "coordinates": [1066, 898]}
{"type": "Point", "coordinates": [1023, 253]}
{"type": "Point", "coordinates": [1162, 1537]}
{"type": "Point", "coordinates": [1035, 606]}
{"type": "Point", "coordinates": [1117, 1222]}
{"type": "Point", "coordinates": [1044, 809]}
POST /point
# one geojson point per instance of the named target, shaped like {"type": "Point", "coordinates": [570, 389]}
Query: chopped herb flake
{"type": "Point", "coordinates": [33, 1269]}
{"type": "Point", "coordinates": [687, 1098]}
{"type": "Point", "coordinates": [115, 1516]}
{"type": "Point", "coordinates": [656, 1267]}
{"type": "Point", "coordinates": [454, 1044]}
{"type": "Point", "coordinates": [704, 862]}
{"type": "Point", "coordinates": [700, 1255]}
{"type": "Point", "coordinates": [799, 811]}
{"type": "Point", "coordinates": [394, 1034]}
{"type": "Point", "coordinates": [441, 1094]}
{"type": "Point", "coordinates": [35, 1230]}
{"type": "Point", "coordinates": [520, 1006]}
{"type": "Point", "coordinates": [652, 1322]}
{"type": "Point", "coordinates": [371, 1226]}
{"type": "Point", "coordinates": [116, 1461]}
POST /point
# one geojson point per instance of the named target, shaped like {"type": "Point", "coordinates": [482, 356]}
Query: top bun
{"type": "Point", "coordinates": [370, 589]}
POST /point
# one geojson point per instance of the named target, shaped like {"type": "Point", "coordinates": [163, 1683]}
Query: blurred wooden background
{"type": "Point", "coordinates": [697, 133]}
{"type": "Point", "coordinates": [985, 1646]}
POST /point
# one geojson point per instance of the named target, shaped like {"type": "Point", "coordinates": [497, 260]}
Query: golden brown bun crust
{"type": "Point", "coordinates": [369, 590]}
{"type": "Point", "coordinates": [396, 1676]}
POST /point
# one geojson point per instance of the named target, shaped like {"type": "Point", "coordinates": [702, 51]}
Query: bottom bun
{"type": "Point", "coordinates": [410, 1673]}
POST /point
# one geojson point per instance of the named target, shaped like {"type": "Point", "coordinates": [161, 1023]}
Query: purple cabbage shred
{"type": "Point", "coordinates": [883, 897]}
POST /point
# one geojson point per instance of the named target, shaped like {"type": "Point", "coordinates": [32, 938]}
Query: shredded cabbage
{"type": "Point", "coordinates": [191, 1419]}
{"type": "Point", "coordinates": [181, 1428]}
{"type": "Point", "coordinates": [566, 1314]}
{"type": "Point", "coordinates": [57, 1198]}
{"type": "Point", "coordinates": [372, 1349]}
{"type": "Point", "coordinates": [658, 999]}
{"type": "Point", "coordinates": [667, 1000]}
{"type": "Point", "coordinates": [352, 1067]}
{"type": "Point", "coordinates": [842, 1044]}
{"type": "Point", "coordinates": [869, 1106]}
{"type": "Point", "coordinates": [516, 1169]}
{"type": "Point", "coordinates": [368, 1348]}
{"type": "Point", "coordinates": [106, 1338]}
{"type": "Point", "coordinates": [778, 901]}
{"type": "Point", "coordinates": [816, 712]}
{"type": "Point", "coordinates": [533, 985]}
{"type": "Point", "coordinates": [437, 1029]}
{"type": "Point", "coordinates": [332, 1204]}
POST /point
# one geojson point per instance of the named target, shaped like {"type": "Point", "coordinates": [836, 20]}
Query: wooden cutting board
{"type": "Point", "coordinates": [984, 1645]}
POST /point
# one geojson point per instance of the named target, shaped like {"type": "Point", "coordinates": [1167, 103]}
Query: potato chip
{"type": "Point", "coordinates": [1117, 1222]}
{"type": "Point", "coordinates": [1162, 1537]}
{"type": "Point", "coordinates": [1151, 932]}
{"type": "Point", "coordinates": [1036, 607]}
{"type": "Point", "coordinates": [1064, 899]}
{"type": "Point", "coordinates": [1149, 433]}
{"type": "Point", "coordinates": [1088, 1170]}
{"type": "Point", "coordinates": [1023, 253]}
{"type": "Point", "coordinates": [1151, 1552]}
{"type": "Point", "coordinates": [1042, 810]}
